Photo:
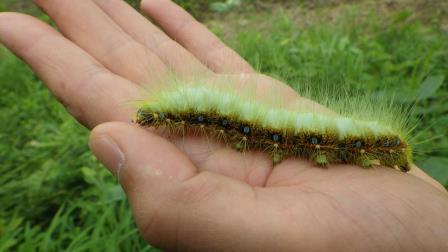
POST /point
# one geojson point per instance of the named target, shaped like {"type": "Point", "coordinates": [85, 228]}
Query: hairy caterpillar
{"type": "Point", "coordinates": [252, 125]}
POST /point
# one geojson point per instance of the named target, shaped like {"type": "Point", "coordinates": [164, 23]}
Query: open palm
{"type": "Point", "coordinates": [190, 193]}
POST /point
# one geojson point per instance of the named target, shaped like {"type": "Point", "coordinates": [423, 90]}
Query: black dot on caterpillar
{"type": "Point", "coordinates": [245, 129]}
{"type": "Point", "coordinates": [276, 138]}
{"type": "Point", "coordinates": [314, 140]}
{"type": "Point", "coordinates": [225, 123]}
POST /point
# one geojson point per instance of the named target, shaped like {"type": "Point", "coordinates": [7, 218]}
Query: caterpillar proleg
{"type": "Point", "coordinates": [246, 124]}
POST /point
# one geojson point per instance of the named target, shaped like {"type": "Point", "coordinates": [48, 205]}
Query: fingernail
{"type": "Point", "coordinates": [109, 153]}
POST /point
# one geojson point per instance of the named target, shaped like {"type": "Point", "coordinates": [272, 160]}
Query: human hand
{"type": "Point", "coordinates": [196, 195]}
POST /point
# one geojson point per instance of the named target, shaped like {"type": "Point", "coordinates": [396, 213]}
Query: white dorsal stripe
{"type": "Point", "coordinates": [201, 99]}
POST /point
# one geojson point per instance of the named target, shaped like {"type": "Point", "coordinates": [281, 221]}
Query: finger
{"type": "Point", "coordinates": [90, 28]}
{"type": "Point", "coordinates": [194, 36]}
{"type": "Point", "coordinates": [171, 203]}
{"type": "Point", "coordinates": [419, 173]}
{"type": "Point", "coordinates": [90, 92]}
{"type": "Point", "coordinates": [171, 53]}
{"type": "Point", "coordinates": [138, 157]}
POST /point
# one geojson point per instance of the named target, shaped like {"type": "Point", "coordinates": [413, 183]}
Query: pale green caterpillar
{"type": "Point", "coordinates": [248, 124]}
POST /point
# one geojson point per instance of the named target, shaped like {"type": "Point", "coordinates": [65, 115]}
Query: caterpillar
{"type": "Point", "coordinates": [248, 124]}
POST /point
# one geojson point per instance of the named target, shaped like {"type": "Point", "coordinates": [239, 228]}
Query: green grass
{"type": "Point", "coordinates": [54, 194]}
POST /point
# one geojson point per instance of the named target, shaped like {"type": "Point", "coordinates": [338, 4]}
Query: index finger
{"type": "Point", "coordinates": [194, 36]}
{"type": "Point", "coordinates": [90, 92]}
{"type": "Point", "coordinates": [142, 30]}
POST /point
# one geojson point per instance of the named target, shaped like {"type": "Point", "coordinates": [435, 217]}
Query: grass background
{"type": "Point", "coordinates": [54, 195]}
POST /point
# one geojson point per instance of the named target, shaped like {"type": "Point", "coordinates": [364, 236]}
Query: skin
{"type": "Point", "coordinates": [193, 195]}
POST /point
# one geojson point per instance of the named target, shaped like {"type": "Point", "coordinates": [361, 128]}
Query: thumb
{"type": "Point", "coordinates": [139, 157]}
{"type": "Point", "coordinates": [174, 207]}
{"type": "Point", "coordinates": [146, 165]}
